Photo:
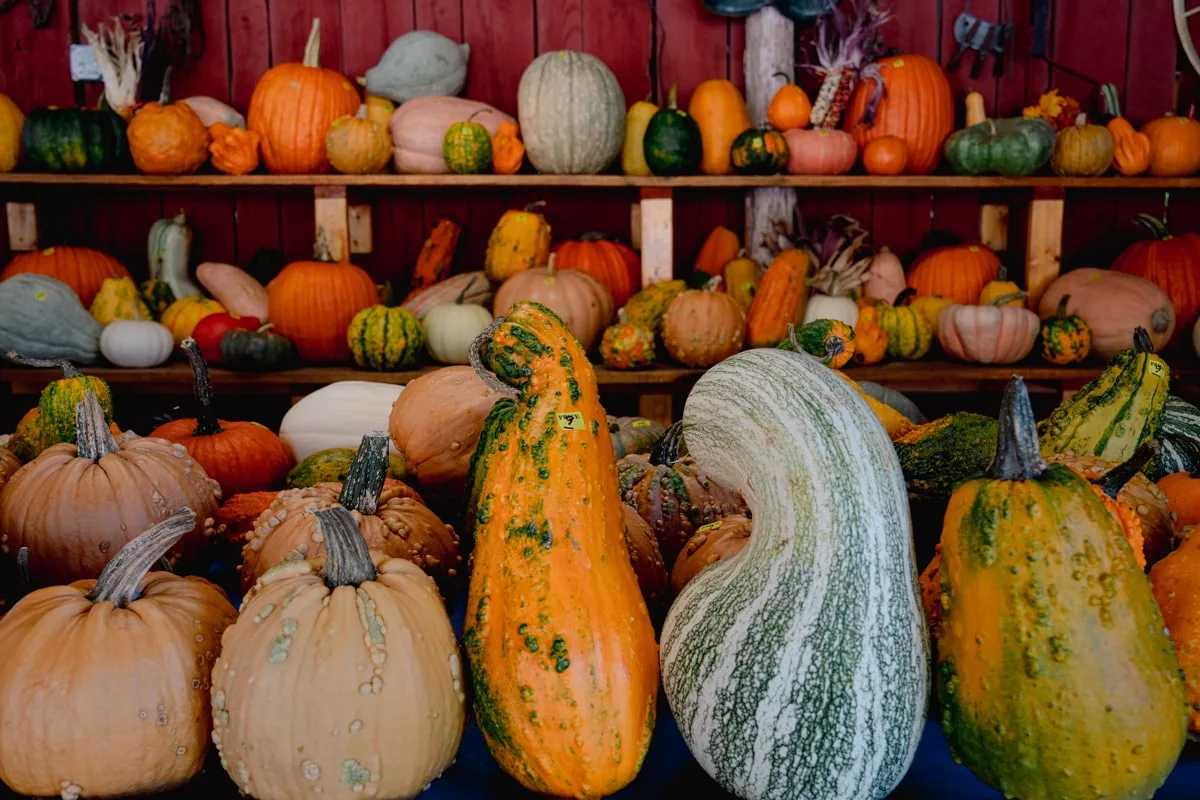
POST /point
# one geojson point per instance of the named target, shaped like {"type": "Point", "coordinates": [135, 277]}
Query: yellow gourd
{"type": "Point", "coordinates": [1001, 287]}
{"type": "Point", "coordinates": [11, 123]}
{"type": "Point", "coordinates": [633, 155]}
{"type": "Point", "coordinates": [379, 110]}
{"type": "Point", "coordinates": [976, 113]}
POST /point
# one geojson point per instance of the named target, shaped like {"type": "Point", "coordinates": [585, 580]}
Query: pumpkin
{"type": "Point", "coordinates": [167, 138]}
{"type": "Point", "coordinates": [472, 287]}
{"type": "Point", "coordinates": [212, 112]}
{"type": "Point", "coordinates": [1082, 150]}
{"type": "Point", "coordinates": [136, 344]}
{"type": "Point", "coordinates": [887, 155]}
{"type": "Point", "coordinates": [438, 456]}
{"type": "Point", "coordinates": [1183, 497]}
{"type": "Point", "coordinates": [168, 248]}
{"type": "Point", "coordinates": [356, 145]}
{"type": "Point", "coordinates": [614, 264]}
{"type": "Point", "coordinates": [702, 327]}
{"type": "Point", "coordinates": [633, 148]}
{"type": "Point", "coordinates": [337, 415]}
{"type": "Point", "coordinates": [369, 635]}
{"type": "Point", "coordinates": [719, 248]}
{"type": "Point", "coordinates": [182, 316]}
{"type": "Point", "coordinates": [714, 542]}
{"type": "Point", "coordinates": [647, 561]}
{"type": "Point", "coordinates": [9, 464]}
{"type": "Point", "coordinates": [11, 123]}
{"type": "Point", "coordinates": [1002, 292]}
{"type": "Point", "coordinates": [720, 111]}
{"type": "Point", "coordinates": [885, 275]}
{"type": "Point", "coordinates": [1066, 338]}
{"type": "Point", "coordinates": [41, 317]}
{"type": "Point", "coordinates": [633, 435]}
{"type": "Point", "coordinates": [508, 151]}
{"type": "Point", "coordinates": [58, 400]}
{"type": "Point", "coordinates": [384, 338]}
{"type": "Point", "coordinates": [157, 295]}
{"type": "Point", "coordinates": [145, 737]}
{"type": "Point", "coordinates": [240, 456]}
{"type": "Point", "coordinates": [909, 334]}
{"type": "Point", "coordinates": [333, 465]}
{"type": "Point", "coordinates": [830, 340]}
{"type": "Point", "coordinates": [1014, 147]}
{"type": "Point", "coordinates": [781, 299]}
{"type": "Point", "coordinates": [437, 255]}
{"type": "Point", "coordinates": [1113, 304]}
{"type": "Point", "coordinates": [775, 425]}
{"type": "Point", "coordinates": [254, 350]}
{"type": "Point", "coordinates": [467, 148]}
{"type": "Point", "coordinates": [419, 128]}
{"type": "Point", "coordinates": [520, 241]}
{"type": "Point", "coordinates": [210, 331]}
{"type": "Point", "coordinates": [988, 334]}
{"type": "Point", "coordinates": [958, 271]}
{"type": "Point", "coordinates": [1178, 597]}
{"type": "Point", "coordinates": [234, 288]}
{"type": "Point", "coordinates": [1172, 263]}
{"type": "Point", "coordinates": [393, 520]}
{"type": "Point", "coordinates": [81, 268]}
{"type": "Point", "coordinates": [292, 142]}
{"type": "Point", "coordinates": [1115, 414]}
{"type": "Point", "coordinates": [930, 307]}
{"type": "Point", "coordinates": [312, 304]}
{"type": "Point", "coordinates": [583, 303]}
{"type": "Point", "coordinates": [820, 151]}
{"type": "Point", "coordinates": [789, 108]}
{"type": "Point", "coordinates": [647, 307]}
{"type": "Point", "coordinates": [1008, 536]}
{"type": "Point", "coordinates": [1131, 148]}
{"type": "Point", "coordinates": [1174, 146]}
{"type": "Point", "coordinates": [627, 346]}
{"type": "Point", "coordinates": [451, 327]}
{"type": "Point", "coordinates": [870, 340]}
{"type": "Point", "coordinates": [672, 143]}
{"type": "Point", "coordinates": [419, 64]}
{"type": "Point", "coordinates": [741, 279]}
{"type": "Point", "coordinates": [118, 298]}
{"type": "Point", "coordinates": [916, 106]}
{"type": "Point", "coordinates": [74, 139]}
{"type": "Point", "coordinates": [572, 113]}
{"type": "Point", "coordinates": [379, 109]}
{"type": "Point", "coordinates": [75, 505]}
{"type": "Point", "coordinates": [759, 152]}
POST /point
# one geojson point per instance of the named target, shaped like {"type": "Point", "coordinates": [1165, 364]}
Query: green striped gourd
{"type": "Point", "coordinates": [385, 338]}
{"type": "Point", "coordinates": [800, 667]}
{"type": "Point", "coordinates": [1179, 440]}
{"type": "Point", "coordinates": [332, 466]}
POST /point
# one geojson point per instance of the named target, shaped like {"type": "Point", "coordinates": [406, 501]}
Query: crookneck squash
{"type": "Point", "coordinates": [777, 426]}
{"type": "Point", "coordinates": [1056, 677]}
{"type": "Point", "coordinates": [558, 638]}
{"type": "Point", "coordinates": [1179, 440]}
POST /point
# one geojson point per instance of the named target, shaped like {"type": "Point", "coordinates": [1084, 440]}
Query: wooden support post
{"type": "Point", "coordinates": [333, 220]}
{"type": "Point", "coordinates": [22, 226]}
{"type": "Point", "coordinates": [656, 407]}
{"type": "Point", "coordinates": [360, 229]}
{"type": "Point", "coordinates": [1043, 254]}
{"type": "Point", "coordinates": [993, 226]}
{"type": "Point", "coordinates": [658, 236]}
{"type": "Point", "coordinates": [635, 226]}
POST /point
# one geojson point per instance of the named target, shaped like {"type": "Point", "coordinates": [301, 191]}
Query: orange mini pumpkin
{"type": "Point", "coordinates": [1174, 146]}
{"type": "Point", "coordinates": [790, 107]}
{"type": "Point", "coordinates": [167, 138]}
{"type": "Point", "coordinates": [508, 151]}
{"type": "Point", "coordinates": [234, 150]}
{"type": "Point", "coordinates": [887, 155]}
{"type": "Point", "coordinates": [957, 271]}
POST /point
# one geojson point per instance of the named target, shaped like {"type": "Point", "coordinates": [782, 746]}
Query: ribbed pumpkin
{"type": "Point", "coordinates": [118, 298]}
{"type": "Point", "coordinates": [781, 299]}
{"type": "Point", "coordinates": [917, 106]}
{"type": "Point", "coordinates": [702, 327]}
{"type": "Point", "coordinates": [240, 456]}
{"type": "Point", "coordinates": [11, 123]}
{"type": "Point", "coordinates": [167, 138]}
{"type": "Point", "coordinates": [909, 333]}
{"type": "Point", "coordinates": [293, 107]}
{"type": "Point", "coordinates": [356, 145]}
{"type": "Point", "coordinates": [1173, 264]}
{"type": "Point", "coordinates": [1174, 146]}
{"type": "Point", "coordinates": [988, 334]}
{"type": "Point", "coordinates": [572, 113]}
{"type": "Point", "coordinates": [81, 268]}
{"type": "Point", "coordinates": [385, 338]}
{"type": "Point", "coordinates": [520, 241]}
{"type": "Point", "coordinates": [1082, 150]}
{"type": "Point", "coordinates": [583, 303]}
{"type": "Point", "coordinates": [614, 264]}
{"type": "Point", "coordinates": [313, 302]}
{"type": "Point", "coordinates": [557, 635]}
{"type": "Point", "coordinates": [182, 316]}
{"type": "Point", "coordinates": [958, 271]}
{"type": "Point", "coordinates": [820, 151]}
{"type": "Point", "coordinates": [720, 110]}
{"type": "Point", "coordinates": [74, 139]}
{"type": "Point", "coordinates": [467, 148]}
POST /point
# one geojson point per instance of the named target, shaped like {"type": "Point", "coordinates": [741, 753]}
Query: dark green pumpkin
{"type": "Point", "coordinates": [467, 148]}
{"type": "Point", "coordinates": [672, 143]}
{"type": "Point", "coordinates": [157, 295]}
{"type": "Point", "coordinates": [759, 152]}
{"type": "Point", "coordinates": [1013, 147]}
{"type": "Point", "coordinates": [74, 139]}
{"type": "Point", "coordinates": [262, 350]}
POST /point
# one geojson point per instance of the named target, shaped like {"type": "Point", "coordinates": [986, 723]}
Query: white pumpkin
{"type": "Point", "coordinates": [338, 415]}
{"type": "Point", "coordinates": [211, 111]}
{"type": "Point", "coordinates": [822, 306]}
{"type": "Point", "coordinates": [451, 327]}
{"type": "Point", "coordinates": [885, 276]}
{"type": "Point", "coordinates": [136, 343]}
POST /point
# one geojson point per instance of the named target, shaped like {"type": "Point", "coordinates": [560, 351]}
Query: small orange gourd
{"type": "Point", "coordinates": [887, 155]}
{"type": "Point", "coordinates": [870, 340]}
{"type": "Point", "coordinates": [433, 263]}
{"type": "Point", "coordinates": [167, 138]}
{"type": "Point", "coordinates": [234, 150]}
{"type": "Point", "coordinates": [789, 108]}
{"type": "Point", "coordinates": [721, 247]}
{"type": "Point", "coordinates": [1131, 151]}
{"type": "Point", "coordinates": [781, 299]}
{"type": "Point", "coordinates": [508, 151]}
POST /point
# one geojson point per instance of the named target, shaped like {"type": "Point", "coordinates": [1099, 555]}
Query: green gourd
{"type": "Point", "coordinates": [262, 350]}
{"type": "Point", "coordinates": [168, 251]}
{"type": "Point", "coordinates": [1013, 147]}
{"type": "Point", "coordinates": [74, 139]}
{"type": "Point", "coordinates": [759, 152]}
{"type": "Point", "coordinates": [41, 317]}
{"type": "Point", "coordinates": [332, 466]}
{"type": "Point", "coordinates": [648, 306]}
{"type": "Point", "coordinates": [672, 141]}
{"type": "Point", "coordinates": [467, 147]}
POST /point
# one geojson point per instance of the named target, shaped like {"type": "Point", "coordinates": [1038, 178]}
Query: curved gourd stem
{"type": "Point", "coordinates": [1141, 340]}
{"type": "Point", "coordinates": [904, 295]}
{"type": "Point", "coordinates": [666, 450]}
{"type": "Point", "coordinates": [93, 439]}
{"type": "Point", "coordinates": [834, 345]}
{"type": "Point", "coordinates": [1115, 479]}
{"type": "Point", "coordinates": [1008, 298]}
{"type": "Point", "coordinates": [206, 420]}
{"type": "Point", "coordinates": [1018, 452]}
{"type": "Point", "coordinates": [67, 367]}
{"type": "Point", "coordinates": [368, 470]}
{"type": "Point", "coordinates": [475, 357]}
{"type": "Point", "coordinates": [347, 559]}
{"type": "Point", "coordinates": [121, 580]}
{"type": "Point", "coordinates": [1157, 227]}
{"type": "Point", "coordinates": [164, 96]}
{"type": "Point", "coordinates": [23, 578]}
{"type": "Point", "coordinates": [1061, 313]}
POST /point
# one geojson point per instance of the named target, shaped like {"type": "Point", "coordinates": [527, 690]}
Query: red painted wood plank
{"type": "Point", "coordinates": [210, 216]}
{"type": "Point", "coordinates": [443, 16]}
{"type": "Point", "coordinates": [560, 25]}
{"type": "Point", "coordinates": [502, 41]}
{"type": "Point", "coordinates": [34, 67]}
{"type": "Point", "coordinates": [1025, 78]}
{"type": "Point", "coordinates": [695, 48]}
{"type": "Point", "coordinates": [297, 225]}
{"type": "Point", "coordinates": [1150, 64]}
{"type": "Point", "coordinates": [900, 221]}
{"type": "Point", "coordinates": [957, 213]}
{"type": "Point", "coordinates": [290, 24]}
{"type": "Point", "coordinates": [257, 224]}
{"type": "Point", "coordinates": [368, 27]}
{"type": "Point", "coordinates": [960, 79]}
{"type": "Point", "coordinates": [1090, 38]}
{"type": "Point", "coordinates": [736, 36]}
{"type": "Point", "coordinates": [209, 75]}
{"type": "Point", "coordinates": [619, 33]}
{"type": "Point", "coordinates": [1091, 229]}
{"type": "Point", "coordinates": [121, 224]}
{"type": "Point", "coordinates": [914, 27]}
{"type": "Point", "coordinates": [397, 232]}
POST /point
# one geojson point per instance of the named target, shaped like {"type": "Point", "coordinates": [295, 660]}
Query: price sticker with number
{"type": "Point", "coordinates": [641, 423]}
{"type": "Point", "coordinates": [571, 421]}
{"type": "Point", "coordinates": [712, 526]}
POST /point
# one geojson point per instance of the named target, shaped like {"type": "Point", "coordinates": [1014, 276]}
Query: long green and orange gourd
{"type": "Point", "coordinates": [1056, 677]}
{"type": "Point", "coordinates": [559, 641]}
{"type": "Point", "coordinates": [780, 300]}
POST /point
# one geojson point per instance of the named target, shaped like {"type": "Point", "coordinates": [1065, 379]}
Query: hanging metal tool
{"type": "Point", "coordinates": [983, 38]}
{"type": "Point", "coordinates": [1041, 32]}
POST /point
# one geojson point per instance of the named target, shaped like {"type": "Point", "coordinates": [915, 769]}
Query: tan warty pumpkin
{"type": "Point", "coordinates": [104, 689]}
{"type": "Point", "coordinates": [167, 138]}
{"type": "Point", "coordinates": [357, 145]}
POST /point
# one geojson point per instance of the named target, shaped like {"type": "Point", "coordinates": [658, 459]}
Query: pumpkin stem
{"type": "Point", "coordinates": [364, 481]}
{"type": "Point", "coordinates": [787, 78]}
{"type": "Point", "coordinates": [477, 113]}
{"type": "Point", "coordinates": [1115, 479]}
{"type": "Point", "coordinates": [1156, 225]}
{"type": "Point", "coordinates": [1141, 340]}
{"type": "Point", "coordinates": [67, 367]}
{"type": "Point", "coordinates": [1018, 453]}
{"type": "Point", "coordinates": [1110, 99]}
{"type": "Point", "coordinates": [713, 284]}
{"type": "Point", "coordinates": [535, 206]}
{"type": "Point", "coordinates": [23, 579]}
{"type": "Point", "coordinates": [321, 251]}
{"type": "Point", "coordinates": [1061, 313]}
{"type": "Point", "coordinates": [475, 357]}
{"type": "Point", "coordinates": [120, 582]}
{"type": "Point", "coordinates": [164, 95]}
{"type": "Point", "coordinates": [904, 295]}
{"type": "Point", "coordinates": [666, 450]}
{"type": "Point", "coordinates": [1008, 298]}
{"type": "Point", "coordinates": [671, 95]}
{"type": "Point", "coordinates": [463, 294]}
{"type": "Point", "coordinates": [347, 559]}
{"type": "Point", "coordinates": [206, 421]}
{"type": "Point", "coordinates": [312, 50]}
{"type": "Point", "coordinates": [93, 439]}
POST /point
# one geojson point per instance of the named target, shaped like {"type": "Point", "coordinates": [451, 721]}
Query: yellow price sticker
{"type": "Point", "coordinates": [712, 526]}
{"type": "Point", "coordinates": [641, 423]}
{"type": "Point", "coordinates": [1156, 366]}
{"type": "Point", "coordinates": [570, 421]}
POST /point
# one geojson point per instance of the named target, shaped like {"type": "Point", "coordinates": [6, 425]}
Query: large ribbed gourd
{"type": "Point", "coordinates": [1056, 678]}
{"type": "Point", "coordinates": [799, 668]}
{"type": "Point", "coordinates": [559, 641]}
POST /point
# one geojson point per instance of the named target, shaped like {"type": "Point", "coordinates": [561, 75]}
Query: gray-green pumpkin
{"type": "Point", "coordinates": [572, 113]}
{"type": "Point", "coordinates": [1013, 147]}
{"type": "Point", "coordinates": [420, 64]}
{"type": "Point", "coordinates": [41, 317]}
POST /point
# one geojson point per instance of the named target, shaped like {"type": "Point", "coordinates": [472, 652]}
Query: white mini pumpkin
{"type": "Point", "coordinates": [821, 306]}
{"type": "Point", "coordinates": [451, 327]}
{"type": "Point", "coordinates": [136, 343]}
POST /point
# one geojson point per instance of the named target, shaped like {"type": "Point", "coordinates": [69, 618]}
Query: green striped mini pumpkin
{"type": "Point", "coordinates": [385, 338]}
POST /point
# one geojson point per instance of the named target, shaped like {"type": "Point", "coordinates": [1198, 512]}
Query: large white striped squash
{"type": "Point", "coordinates": [338, 415]}
{"type": "Point", "coordinates": [800, 667]}
{"type": "Point", "coordinates": [572, 113]}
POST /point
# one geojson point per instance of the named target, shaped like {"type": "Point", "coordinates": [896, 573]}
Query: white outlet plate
{"type": "Point", "coordinates": [83, 63]}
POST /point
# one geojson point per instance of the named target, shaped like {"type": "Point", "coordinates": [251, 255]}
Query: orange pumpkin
{"type": "Point", "coordinates": [790, 108]}
{"type": "Point", "coordinates": [702, 327]}
{"type": "Point", "coordinates": [615, 265]}
{"type": "Point", "coordinates": [1172, 263]}
{"type": "Point", "coordinates": [167, 138]}
{"type": "Point", "coordinates": [887, 155]}
{"type": "Point", "coordinates": [917, 106]}
{"type": "Point", "coordinates": [508, 151]}
{"type": "Point", "coordinates": [1178, 594]}
{"type": "Point", "coordinates": [583, 303]}
{"type": "Point", "coordinates": [958, 271]}
{"type": "Point", "coordinates": [1131, 152]}
{"type": "Point", "coordinates": [293, 107]}
{"type": "Point", "coordinates": [1183, 497]}
{"type": "Point", "coordinates": [720, 111]}
{"type": "Point", "coordinates": [234, 150]}
{"type": "Point", "coordinates": [81, 268]}
{"type": "Point", "coordinates": [1174, 146]}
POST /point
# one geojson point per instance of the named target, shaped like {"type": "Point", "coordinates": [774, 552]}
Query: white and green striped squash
{"type": "Point", "coordinates": [1179, 438]}
{"type": "Point", "coordinates": [800, 667]}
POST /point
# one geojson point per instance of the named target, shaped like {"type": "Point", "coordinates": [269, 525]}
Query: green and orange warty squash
{"type": "Point", "coordinates": [627, 346]}
{"type": "Point", "coordinates": [1066, 338]}
{"type": "Point", "coordinates": [830, 340]}
{"type": "Point", "coordinates": [647, 307]}
{"type": "Point", "coordinates": [467, 148]}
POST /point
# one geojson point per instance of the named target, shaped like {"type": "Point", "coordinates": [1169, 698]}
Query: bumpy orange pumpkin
{"type": "Point", "coordinates": [958, 271]}
{"type": "Point", "coordinates": [917, 106]}
{"type": "Point", "coordinates": [1183, 497]}
{"type": "Point", "coordinates": [1174, 146]}
{"type": "Point", "coordinates": [702, 327]}
{"type": "Point", "coordinates": [357, 145]}
{"type": "Point", "coordinates": [1178, 594]}
{"type": "Point", "coordinates": [1131, 152]}
{"type": "Point", "coordinates": [293, 107]}
{"type": "Point", "coordinates": [81, 268]}
{"type": "Point", "coordinates": [234, 150]}
{"type": "Point", "coordinates": [167, 138]}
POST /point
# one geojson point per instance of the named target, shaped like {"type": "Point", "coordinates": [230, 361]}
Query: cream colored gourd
{"type": "Point", "coordinates": [136, 343]}
{"type": "Point", "coordinates": [168, 251]}
{"type": "Point", "coordinates": [337, 415]}
{"type": "Point", "coordinates": [451, 327]}
{"type": "Point", "coordinates": [821, 306]}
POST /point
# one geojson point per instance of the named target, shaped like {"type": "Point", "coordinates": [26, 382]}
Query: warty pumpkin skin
{"type": "Point", "coordinates": [1178, 594]}
{"type": "Point", "coordinates": [1066, 338]}
{"type": "Point", "coordinates": [167, 138]}
{"type": "Point", "coordinates": [520, 241]}
{"type": "Point", "coordinates": [647, 307]}
{"type": "Point", "coordinates": [646, 559]}
{"type": "Point", "coordinates": [702, 327]}
{"type": "Point", "coordinates": [234, 151]}
{"type": "Point", "coordinates": [109, 695]}
{"type": "Point", "coordinates": [627, 346]}
{"type": "Point", "coordinates": [917, 106]}
{"type": "Point", "coordinates": [557, 634]}
{"type": "Point", "coordinates": [714, 542]}
{"type": "Point", "coordinates": [1056, 677]}
{"type": "Point", "coordinates": [369, 637]}
{"type": "Point", "coordinates": [1183, 497]}
{"type": "Point", "coordinates": [57, 402]}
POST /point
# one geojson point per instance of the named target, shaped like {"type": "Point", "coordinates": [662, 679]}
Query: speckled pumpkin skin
{"type": "Point", "coordinates": [1066, 339]}
{"type": "Point", "coordinates": [467, 148]}
{"type": "Point", "coordinates": [57, 406]}
{"type": "Point", "coordinates": [627, 346]}
{"type": "Point", "coordinates": [647, 307]}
